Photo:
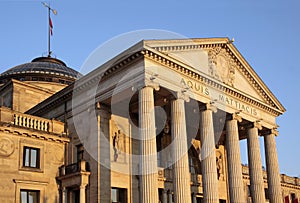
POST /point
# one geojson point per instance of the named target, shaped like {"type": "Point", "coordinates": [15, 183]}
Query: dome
{"type": "Point", "coordinates": [41, 69]}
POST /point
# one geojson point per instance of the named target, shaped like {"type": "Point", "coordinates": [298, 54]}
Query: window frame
{"type": "Point", "coordinates": [38, 193]}
{"type": "Point", "coordinates": [40, 146]}
{"type": "Point", "coordinates": [121, 194]}
{"type": "Point", "coordinates": [37, 158]}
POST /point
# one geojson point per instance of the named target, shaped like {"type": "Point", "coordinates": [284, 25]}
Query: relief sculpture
{"type": "Point", "coordinates": [118, 144]}
{"type": "Point", "coordinates": [221, 66]}
{"type": "Point", "coordinates": [7, 146]}
{"type": "Point", "coordinates": [220, 169]}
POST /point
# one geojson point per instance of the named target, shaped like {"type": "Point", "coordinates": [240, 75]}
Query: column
{"type": "Point", "coordinates": [148, 157]}
{"type": "Point", "coordinates": [208, 155]}
{"type": "Point", "coordinates": [181, 178]}
{"type": "Point", "coordinates": [170, 199]}
{"type": "Point", "coordinates": [194, 198]}
{"type": "Point", "coordinates": [82, 193]}
{"type": "Point", "coordinates": [255, 165]}
{"type": "Point", "coordinates": [235, 179]}
{"type": "Point", "coordinates": [165, 197]}
{"type": "Point", "coordinates": [64, 195]}
{"type": "Point", "coordinates": [274, 185]}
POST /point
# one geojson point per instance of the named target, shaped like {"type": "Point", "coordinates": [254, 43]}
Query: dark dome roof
{"type": "Point", "coordinates": [43, 67]}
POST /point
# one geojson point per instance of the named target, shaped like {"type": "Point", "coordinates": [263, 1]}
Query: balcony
{"type": "Point", "coordinates": [80, 166]}
{"type": "Point", "coordinates": [74, 175]}
{"type": "Point", "coordinates": [10, 117]}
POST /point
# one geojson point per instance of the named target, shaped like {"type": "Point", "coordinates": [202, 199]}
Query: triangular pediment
{"type": "Point", "coordinates": [219, 59]}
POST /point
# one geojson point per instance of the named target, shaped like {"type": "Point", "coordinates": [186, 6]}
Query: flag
{"type": "Point", "coordinates": [50, 26]}
{"type": "Point", "coordinates": [296, 200]}
{"type": "Point", "coordinates": [286, 199]}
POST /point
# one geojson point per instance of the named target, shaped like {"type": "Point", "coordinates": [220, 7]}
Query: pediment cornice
{"type": "Point", "coordinates": [182, 68]}
{"type": "Point", "coordinates": [236, 60]}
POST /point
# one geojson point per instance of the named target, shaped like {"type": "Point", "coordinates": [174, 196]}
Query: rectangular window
{"type": "Point", "coordinates": [31, 157]}
{"type": "Point", "coordinates": [118, 195]}
{"type": "Point", "coordinates": [80, 151]}
{"type": "Point", "coordinates": [30, 196]}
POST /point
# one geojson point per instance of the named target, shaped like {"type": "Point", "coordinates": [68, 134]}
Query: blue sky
{"type": "Point", "coordinates": [266, 33]}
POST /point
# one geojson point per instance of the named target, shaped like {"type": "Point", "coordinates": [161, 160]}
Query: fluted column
{"type": "Point", "coordinates": [274, 185]}
{"type": "Point", "coordinates": [255, 164]}
{"type": "Point", "coordinates": [208, 156]}
{"type": "Point", "coordinates": [235, 179]}
{"type": "Point", "coordinates": [148, 157]}
{"type": "Point", "coordinates": [181, 178]}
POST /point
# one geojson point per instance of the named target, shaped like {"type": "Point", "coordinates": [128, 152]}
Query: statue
{"type": "Point", "coordinates": [115, 140]}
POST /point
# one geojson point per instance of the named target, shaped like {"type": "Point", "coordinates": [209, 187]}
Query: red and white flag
{"type": "Point", "coordinates": [50, 26]}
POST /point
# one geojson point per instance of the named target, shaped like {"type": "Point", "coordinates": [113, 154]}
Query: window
{"type": "Point", "coordinates": [31, 157]}
{"type": "Point", "coordinates": [118, 195]}
{"type": "Point", "coordinates": [30, 196]}
{"type": "Point", "coordinates": [293, 197]}
{"type": "Point", "coordinates": [80, 151]}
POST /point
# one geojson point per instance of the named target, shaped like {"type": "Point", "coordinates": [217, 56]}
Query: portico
{"type": "Point", "coordinates": [178, 110]}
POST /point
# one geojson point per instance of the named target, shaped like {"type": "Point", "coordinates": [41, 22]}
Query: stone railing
{"type": "Point", "coordinates": [31, 122]}
{"type": "Point", "coordinates": [167, 175]}
{"type": "Point", "coordinates": [284, 178]}
{"type": "Point", "coordinates": [290, 180]}
{"type": "Point", "coordinates": [245, 171]}
{"type": "Point", "coordinates": [28, 121]}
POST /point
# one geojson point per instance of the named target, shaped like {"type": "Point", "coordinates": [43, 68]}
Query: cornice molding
{"type": "Point", "coordinates": [236, 57]}
{"type": "Point", "coordinates": [19, 131]}
{"type": "Point", "coordinates": [187, 71]}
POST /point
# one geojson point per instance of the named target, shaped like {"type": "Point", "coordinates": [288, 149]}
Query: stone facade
{"type": "Point", "coordinates": [19, 134]}
{"type": "Point", "coordinates": [161, 122]}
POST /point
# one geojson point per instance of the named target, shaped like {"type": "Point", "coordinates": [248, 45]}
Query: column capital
{"type": "Point", "coordinates": [208, 106]}
{"type": "Point", "coordinates": [182, 95]}
{"type": "Point", "coordinates": [151, 83]}
{"type": "Point", "coordinates": [234, 116]}
{"type": "Point", "coordinates": [145, 83]}
{"type": "Point", "coordinates": [272, 131]}
{"type": "Point", "coordinates": [255, 124]}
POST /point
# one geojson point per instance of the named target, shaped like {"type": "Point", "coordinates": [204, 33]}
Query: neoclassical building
{"type": "Point", "coordinates": [160, 122]}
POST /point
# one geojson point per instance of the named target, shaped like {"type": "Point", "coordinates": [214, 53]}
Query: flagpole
{"type": "Point", "coordinates": [49, 51]}
{"type": "Point", "coordinates": [49, 26]}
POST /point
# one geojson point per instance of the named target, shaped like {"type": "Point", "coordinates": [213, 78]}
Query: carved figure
{"type": "Point", "coordinates": [221, 66]}
{"type": "Point", "coordinates": [220, 169]}
{"type": "Point", "coordinates": [115, 140]}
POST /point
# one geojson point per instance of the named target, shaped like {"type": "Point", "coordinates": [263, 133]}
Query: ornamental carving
{"type": "Point", "coordinates": [221, 66]}
{"type": "Point", "coordinates": [7, 146]}
{"type": "Point", "coordinates": [118, 142]}
{"type": "Point", "coordinates": [220, 166]}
